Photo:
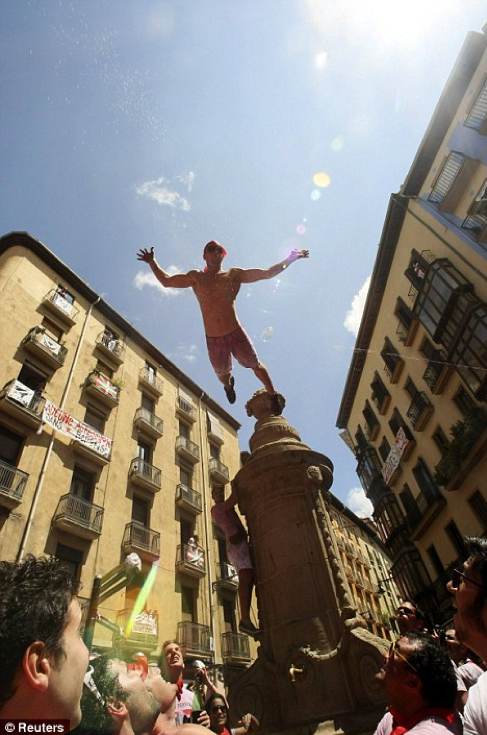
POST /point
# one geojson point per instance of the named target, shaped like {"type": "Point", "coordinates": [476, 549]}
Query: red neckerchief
{"type": "Point", "coordinates": [180, 684]}
{"type": "Point", "coordinates": [402, 724]}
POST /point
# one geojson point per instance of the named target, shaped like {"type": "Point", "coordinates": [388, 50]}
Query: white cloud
{"type": "Point", "coordinates": [321, 60]}
{"type": "Point", "coordinates": [359, 503]}
{"type": "Point", "coordinates": [147, 278]}
{"type": "Point", "coordinates": [354, 314]}
{"type": "Point", "coordinates": [159, 191]}
{"type": "Point", "coordinates": [187, 180]}
{"type": "Point", "coordinates": [267, 334]}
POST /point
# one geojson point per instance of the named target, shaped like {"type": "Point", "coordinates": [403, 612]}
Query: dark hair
{"type": "Point", "coordinates": [420, 614]}
{"type": "Point", "coordinates": [210, 700]}
{"type": "Point", "coordinates": [212, 242]}
{"type": "Point", "coordinates": [477, 551]}
{"type": "Point", "coordinates": [435, 671]}
{"type": "Point", "coordinates": [35, 595]}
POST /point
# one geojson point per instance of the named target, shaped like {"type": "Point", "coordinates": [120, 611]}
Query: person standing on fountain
{"type": "Point", "coordinates": [216, 291]}
{"type": "Point", "coordinates": [224, 516]}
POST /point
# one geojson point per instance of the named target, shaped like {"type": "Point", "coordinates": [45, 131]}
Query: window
{"type": "Point", "coordinates": [456, 538]}
{"type": "Point", "coordinates": [384, 449]}
{"type": "Point", "coordinates": [478, 505]}
{"type": "Point", "coordinates": [67, 295]}
{"type": "Point", "coordinates": [214, 451]}
{"type": "Point", "coordinates": [361, 439]}
{"type": "Point", "coordinates": [417, 269]}
{"type": "Point", "coordinates": [150, 372]}
{"type": "Point", "coordinates": [186, 529]}
{"type": "Point", "coordinates": [470, 353]}
{"type": "Point", "coordinates": [463, 401]}
{"type": "Point", "coordinates": [82, 484]}
{"type": "Point", "coordinates": [380, 394]}
{"type": "Point", "coordinates": [409, 504]}
{"type": "Point", "coordinates": [104, 369]}
{"type": "Point", "coordinates": [392, 360]}
{"type": "Point", "coordinates": [436, 301]}
{"type": "Point", "coordinates": [435, 560]}
{"type": "Point", "coordinates": [406, 318]}
{"type": "Point", "coordinates": [184, 430]}
{"type": "Point", "coordinates": [477, 114]}
{"type": "Point", "coordinates": [148, 403]}
{"type": "Point", "coordinates": [222, 550]}
{"type": "Point", "coordinates": [425, 481]}
{"type": "Point", "coordinates": [397, 422]}
{"type": "Point", "coordinates": [410, 388]}
{"type": "Point", "coordinates": [185, 476]}
{"type": "Point", "coordinates": [52, 330]}
{"type": "Point", "coordinates": [440, 439]}
{"type": "Point", "coordinates": [476, 220]}
{"type": "Point", "coordinates": [371, 421]}
{"type": "Point", "coordinates": [10, 446]}
{"type": "Point", "coordinates": [109, 337]}
{"type": "Point", "coordinates": [140, 511]}
{"type": "Point", "coordinates": [73, 559]}
{"type": "Point", "coordinates": [229, 620]}
{"type": "Point", "coordinates": [144, 451]}
{"type": "Point", "coordinates": [188, 606]}
{"type": "Point", "coordinates": [95, 418]}
{"type": "Point", "coordinates": [445, 179]}
{"type": "Point", "coordinates": [32, 378]}
{"type": "Point", "coordinates": [437, 364]}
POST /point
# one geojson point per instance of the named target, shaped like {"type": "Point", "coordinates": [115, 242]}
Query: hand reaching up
{"type": "Point", "coordinates": [146, 255]}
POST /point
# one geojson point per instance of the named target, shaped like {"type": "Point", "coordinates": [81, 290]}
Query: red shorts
{"type": "Point", "coordinates": [238, 344]}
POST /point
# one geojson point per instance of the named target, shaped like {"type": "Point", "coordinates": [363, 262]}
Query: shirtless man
{"type": "Point", "coordinates": [216, 291]}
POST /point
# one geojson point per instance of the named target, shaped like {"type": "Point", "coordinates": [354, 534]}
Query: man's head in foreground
{"type": "Point", "coordinates": [469, 587]}
{"type": "Point", "coordinates": [418, 674]}
{"type": "Point", "coordinates": [174, 660]}
{"type": "Point", "coordinates": [410, 617]}
{"type": "Point", "coordinates": [44, 659]}
{"type": "Point", "coordinates": [213, 254]}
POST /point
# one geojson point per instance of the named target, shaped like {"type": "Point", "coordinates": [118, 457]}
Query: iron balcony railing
{"type": "Point", "coordinates": [103, 385]}
{"type": "Point", "coordinates": [195, 638]}
{"type": "Point", "coordinates": [191, 555]}
{"type": "Point", "coordinates": [112, 344]}
{"type": "Point", "coordinates": [435, 370]}
{"type": "Point", "coordinates": [12, 481]}
{"type": "Point", "coordinates": [190, 496]}
{"type": "Point", "coordinates": [418, 407]}
{"type": "Point", "coordinates": [55, 349]}
{"type": "Point", "coordinates": [80, 511]}
{"type": "Point", "coordinates": [182, 442]}
{"type": "Point", "coordinates": [137, 535]}
{"type": "Point", "coordinates": [28, 398]}
{"type": "Point", "coordinates": [227, 572]}
{"type": "Point", "coordinates": [150, 378]}
{"type": "Point", "coordinates": [143, 414]}
{"type": "Point", "coordinates": [185, 406]}
{"type": "Point", "coordinates": [218, 468]}
{"type": "Point", "coordinates": [62, 304]}
{"type": "Point", "coordinates": [145, 470]}
{"type": "Point", "coordinates": [235, 646]}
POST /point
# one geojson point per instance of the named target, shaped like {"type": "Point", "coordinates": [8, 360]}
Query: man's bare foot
{"type": "Point", "coordinates": [230, 390]}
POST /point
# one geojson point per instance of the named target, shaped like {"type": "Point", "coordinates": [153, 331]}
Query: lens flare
{"type": "Point", "coordinates": [315, 195]}
{"type": "Point", "coordinates": [142, 598]}
{"type": "Point", "coordinates": [300, 229]}
{"type": "Point", "coordinates": [321, 179]}
{"type": "Point", "coordinates": [337, 143]}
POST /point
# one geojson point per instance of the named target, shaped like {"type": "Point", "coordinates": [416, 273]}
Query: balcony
{"type": "Point", "coordinates": [38, 343]}
{"type": "Point", "coordinates": [235, 648]}
{"type": "Point", "coordinates": [188, 499]}
{"type": "Point", "coordinates": [111, 347]}
{"type": "Point", "coordinates": [22, 403]}
{"type": "Point", "coordinates": [100, 387]}
{"type": "Point", "coordinates": [144, 541]}
{"type": "Point", "coordinates": [190, 559]}
{"type": "Point", "coordinates": [187, 449]}
{"type": "Point", "coordinates": [215, 430]}
{"type": "Point", "coordinates": [437, 372]}
{"type": "Point", "coordinates": [150, 382]}
{"type": "Point", "coordinates": [145, 475]}
{"type": "Point", "coordinates": [381, 398]}
{"type": "Point", "coordinates": [393, 369]}
{"type": "Point", "coordinates": [195, 640]}
{"type": "Point", "coordinates": [466, 449]}
{"type": "Point", "coordinates": [78, 517]}
{"type": "Point", "coordinates": [93, 446]}
{"type": "Point", "coordinates": [369, 473]}
{"type": "Point", "coordinates": [60, 307]}
{"type": "Point", "coordinates": [185, 408]}
{"type": "Point", "coordinates": [144, 633]}
{"type": "Point", "coordinates": [372, 430]}
{"type": "Point", "coordinates": [148, 423]}
{"type": "Point", "coordinates": [427, 508]}
{"type": "Point", "coordinates": [226, 577]}
{"type": "Point", "coordinates": [12, 485]}
{"type": "Point", "coordinates": [419, 411]}
{"type": "Point", "coordinates": [218, 471]}
{"type": "Point", "coordinates": [407, 332]}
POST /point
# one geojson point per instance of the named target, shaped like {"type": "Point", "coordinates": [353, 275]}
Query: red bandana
{"type": "Point", "coordinates": [401, 724]}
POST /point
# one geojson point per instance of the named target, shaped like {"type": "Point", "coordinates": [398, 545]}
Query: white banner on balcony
{"type": "Point", "coordinates": [394, 457]}
{"type": "Point", "coordinates": [62, 421]}
{"type": "Point", "coordinates": [62, 303]}
{"type": "Point", "coordinates": [21, 393]}
{"type": "Point", "coordinates": [145, 622]}
{"type": "Point", "coordinates": [104, 384]}
{"type": "Point", "coordinates": [48, 342]}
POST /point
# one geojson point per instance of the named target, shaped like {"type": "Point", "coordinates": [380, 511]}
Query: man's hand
{"type": "Point", "coordinates": [146, 255]}
{"type": "Point", "coordinates": [249, 722]}
{"type": "Point", "coordinates": [204, 719]}
{"type": "Point", "coordinates": [296, 255]}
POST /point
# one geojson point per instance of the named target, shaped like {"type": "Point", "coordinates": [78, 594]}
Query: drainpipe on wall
{"type": "Point", "coordinates": [47, 456]}
{"type": "Point", "coordinates": [207, 519]}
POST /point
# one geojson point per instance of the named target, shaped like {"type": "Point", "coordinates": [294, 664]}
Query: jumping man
{"type": "Point", "coordinates": [216, 291]}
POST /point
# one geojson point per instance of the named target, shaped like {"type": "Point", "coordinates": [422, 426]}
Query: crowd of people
{"type": "Point", "coordinates": [435, 682]}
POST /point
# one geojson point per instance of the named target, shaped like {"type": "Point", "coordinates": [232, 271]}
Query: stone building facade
{"type": "Point", "coordinates": [413, 408]}
{"type": "Point", "coordinates": [107, 449]}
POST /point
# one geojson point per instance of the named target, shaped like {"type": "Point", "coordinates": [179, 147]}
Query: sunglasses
{"type": "Point", "coordinates": [393, 652]}
{"type": "Point", "coordinates": [406, 611]}
{"type": "Point", "coordinates": [457, 577]}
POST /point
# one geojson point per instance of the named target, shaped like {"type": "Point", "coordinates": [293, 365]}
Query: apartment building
{"type": "Point", "coordinates": [413, 406]}
{"type": "Point", "coordinates": [108, 449]}
{"type": "Point", "coordinates": [367, 568]}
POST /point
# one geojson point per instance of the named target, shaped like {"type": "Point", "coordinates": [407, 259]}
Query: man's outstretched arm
{"type": "Point", "coordinates": [180, 280]}
{"type": "Point", "coordinates": [251, 275]}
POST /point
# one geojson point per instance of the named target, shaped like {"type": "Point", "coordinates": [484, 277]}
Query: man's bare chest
{"type": "Point", "coordinates": [222, 288]}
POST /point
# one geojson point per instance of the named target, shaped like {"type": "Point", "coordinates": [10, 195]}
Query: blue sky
{"type": "Point", "coordinates": [134, 122]}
